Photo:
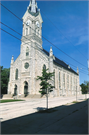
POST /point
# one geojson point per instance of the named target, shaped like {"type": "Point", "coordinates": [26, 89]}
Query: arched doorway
{"type": "Point", "coordinates": [25, 88]}
{"type": "Point", "coordinates": [15, 90]}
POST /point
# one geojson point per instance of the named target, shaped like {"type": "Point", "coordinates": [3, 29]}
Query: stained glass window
{"type": "Point", "coordinates": [16, 74]}
{"type": "Point", "coordinates": [64, 80]}
{"type": "Point", "coordinates": [54, 77]}
{"type": "Point", "coordinates": [67, 81]}
{"type": "Point", "coordinates": [44, 66]}
{"type": "Point", "coordinates": [30, 30]}
{"type": "Point", "coordinates": [26, 31]}
{"type": "Point", "coordinates": [26, 65]}
{"type": "Point", "coordinates": [27, 51]}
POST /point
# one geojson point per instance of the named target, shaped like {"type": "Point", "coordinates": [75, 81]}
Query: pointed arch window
{"type": "Point", "coordinates": [59, 80]}
{"type": "Point", "coordinates": [27, 51]}
{"type": "Point", "coordinates": [64, 80]}
{"type": "Point", "coordinates": [36, 31]}
{"type": "Point", "coordinates": [71, 83]}
{"type": "Point", "coordinates": [16, 74]}
{"type": "Point", "coordinates": [44, 66]}
{"type": "Point", "coordinates": [67, 81]}
{"type": "Point", "coordinates": [54, 77]}
{"type": "Point", "coordinates": [29, 30]}
{"type": "Point", "coordinates": [26, 31]}
{"type": "Point", "coordinates": [74, 83]}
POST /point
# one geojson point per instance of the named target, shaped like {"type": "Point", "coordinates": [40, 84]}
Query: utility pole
{"type": "Point", "coordinates": [88, 76]}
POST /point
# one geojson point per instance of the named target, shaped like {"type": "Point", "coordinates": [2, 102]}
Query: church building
{"type": "Point", "coordinates": [33, 58]}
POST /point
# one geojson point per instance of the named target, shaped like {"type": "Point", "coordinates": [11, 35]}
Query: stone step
{"type": "Point", "coordinates": [33, 96]}
{"type": "Point", "coordinates": [37, 96]}
{"type": "Point", "coordinates": [7, 96]}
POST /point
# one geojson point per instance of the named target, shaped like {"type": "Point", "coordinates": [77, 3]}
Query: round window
{"type": "Point", "coordinates": [26, 65]}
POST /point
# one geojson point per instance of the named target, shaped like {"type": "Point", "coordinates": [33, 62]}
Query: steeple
{"type": "Point", "coordinates": [51, 52]}
{"type": "Point", "coordinates": [69, 66]}
{"type": "Point", "coordinates": [12, 60]}
{"type": "Point", "coordinates": [33, 6]}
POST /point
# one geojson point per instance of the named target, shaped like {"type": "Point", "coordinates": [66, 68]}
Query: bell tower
{"type": "Point", "coordinates": [32, 24]}
{"type": "Point", "coordinates": [31, 43]}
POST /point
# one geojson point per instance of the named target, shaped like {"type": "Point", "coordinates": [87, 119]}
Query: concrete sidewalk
{"type": "Point", "coordinates": [65, 119]}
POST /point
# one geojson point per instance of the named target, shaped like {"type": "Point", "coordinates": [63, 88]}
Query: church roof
{"type": "Point", "coordinates": [60, 62]}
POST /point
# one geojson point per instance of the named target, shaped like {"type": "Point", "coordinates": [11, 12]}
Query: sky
{"type": "Point", "coordinates": [65, 25]}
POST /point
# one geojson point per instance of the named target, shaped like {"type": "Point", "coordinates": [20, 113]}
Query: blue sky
{"type": "Point", "coordinates": [71, 34]}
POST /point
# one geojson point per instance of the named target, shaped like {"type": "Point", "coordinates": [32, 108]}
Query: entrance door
{"type": "Point", "coordinates": [15, 90]}
{"type": "Point", "coordinates": [26, 88]}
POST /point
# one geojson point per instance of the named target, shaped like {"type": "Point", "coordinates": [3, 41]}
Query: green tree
{"type": "Point", "coordinates": [84, 87]}
{"type": "Point", "coordinates": [45, 84]}
{"type": "Point", "coordinates": [4, 79]}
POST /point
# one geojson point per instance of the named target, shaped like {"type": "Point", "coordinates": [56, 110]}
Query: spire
{"type": "Point", "coordinates": [69, 66]}
{"type": "Point", "coordinates": [12, 59]}
{"type": "Point", "coordinates": [51, 52]}
{"type": "Point", "coordinates": [33, 6]}
{"type": "Point", "coordinates": [77, 70]}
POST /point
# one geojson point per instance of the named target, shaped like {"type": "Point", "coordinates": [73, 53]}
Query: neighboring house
{"type": "Point", "coordinates": [25, 69]}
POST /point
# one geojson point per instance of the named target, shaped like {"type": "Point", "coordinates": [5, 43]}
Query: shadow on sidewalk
{"type": "Point", "coordinates": [65, 119]}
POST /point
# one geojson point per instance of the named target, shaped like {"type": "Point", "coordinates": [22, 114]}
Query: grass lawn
{"type": "Point", "coordinates": [10, 100]}
{"type": "Point", "coordinates": [75, 102]}
{"type": "Point", "coordinates": [85, 99]}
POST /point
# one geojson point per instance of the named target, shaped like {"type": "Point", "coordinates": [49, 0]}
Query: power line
{"type": "Point", "coordinates": [45, 38]}
{"type": "Point", "coordinates": [20, 40]}
{"type": "Point", "coordinates": [10, 28]}
{"type": "Point", "coordinates": [73, 65]}
{"type": "Point", "coordinates": [15, 37]}
{"type": "Point", "coordinates": [30, 40]}
{"type": "Point", "coordinates": [81, 71]}
{"type": "Point", "coordinates": [10, 34]}
{"type": "Point", "coordinates": [62, 33]}
{"type": "Point", "coordinates": [65, 53]}
{"type": "Point", "coordinates": [11, 12]}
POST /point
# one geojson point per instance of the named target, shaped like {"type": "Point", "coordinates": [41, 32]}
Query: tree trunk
{"type": "Point", "coordinates": [85, 96]}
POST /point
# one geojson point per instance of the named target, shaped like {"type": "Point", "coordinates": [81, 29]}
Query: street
{"type": "Point", "coordinates": [69, 118]}
{"type": "Point", "coordinates": [16, 109]}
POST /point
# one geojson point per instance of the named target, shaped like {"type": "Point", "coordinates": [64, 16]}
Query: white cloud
{"type": "Point", "coordinates": [82, 39]}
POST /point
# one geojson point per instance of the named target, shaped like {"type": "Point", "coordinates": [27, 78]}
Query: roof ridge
{"type": "Point", "coordinates": [60, 62]}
